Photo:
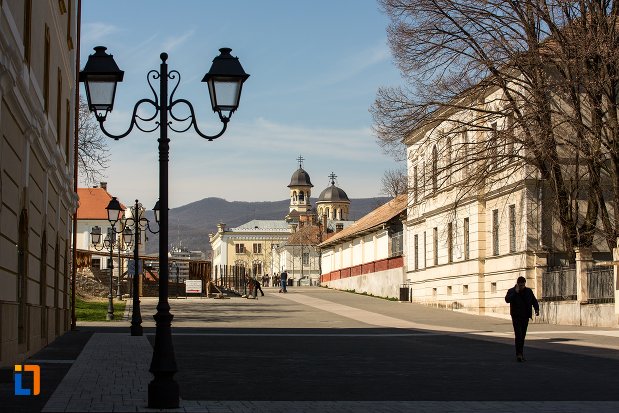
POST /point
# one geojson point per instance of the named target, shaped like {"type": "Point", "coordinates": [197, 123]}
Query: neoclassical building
{"type": "Point", "coordinates": [473, 227]}
{"type": "Point", "coordinates": [269, 246]}
{"type": "Point", "coordinates": [37, 199]}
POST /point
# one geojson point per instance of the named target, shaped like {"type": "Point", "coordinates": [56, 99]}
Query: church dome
{"type": "Point", "coordinates": [300, 178]}
{"type": "Point", "coordinates": [333, 194]}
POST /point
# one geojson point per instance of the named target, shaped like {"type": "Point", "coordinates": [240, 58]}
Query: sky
{"type": "Point", "coordinates": [315, 67]}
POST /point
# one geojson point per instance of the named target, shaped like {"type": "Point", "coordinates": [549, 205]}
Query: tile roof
{"type": "Point", "coordinates": [92, 203]}
{"type": "Point", "coordinates": [306, 235]}
{"type": "Point", "coordinates": [372, 220]}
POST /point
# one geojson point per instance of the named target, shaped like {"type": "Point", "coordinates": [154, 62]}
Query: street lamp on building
{"type": "Point", "coordinates": [225, 81]}
{"type": "Point", "coordinates": [110, 241]}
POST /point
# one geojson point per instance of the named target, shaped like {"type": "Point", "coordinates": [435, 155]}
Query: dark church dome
{"type": "Point", "coordinates": [333, 194]}
{"type": "Point", "coordinates": [300, 178]}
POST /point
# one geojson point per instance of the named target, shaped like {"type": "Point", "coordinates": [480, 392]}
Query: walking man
{"type": "Point", "coordinates": [521, 299]}
{"type": "Point", "coordinates": [284, 280]}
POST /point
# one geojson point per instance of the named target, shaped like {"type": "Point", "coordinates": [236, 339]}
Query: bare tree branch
{"type": "Point", "coordinates": [92, 150]}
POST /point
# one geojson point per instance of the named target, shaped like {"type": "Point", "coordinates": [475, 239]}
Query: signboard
{"type": "Point", "coordinates": [193, 286]}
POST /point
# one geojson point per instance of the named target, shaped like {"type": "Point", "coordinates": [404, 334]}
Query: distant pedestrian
{"type": "Point", "coordinates": [284, 280]}
{"type": "Point", "coordinates": [256, 288]}
{"type": "Point", "coordinates": [521, 300]}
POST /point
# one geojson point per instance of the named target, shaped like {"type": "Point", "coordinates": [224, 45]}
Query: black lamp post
{"type": "Point", "coordinates": [140, 224]}
{"type": "Point", "coordinates": [114, 209]}
{"type": "Point", "coordinates": [225, 81]}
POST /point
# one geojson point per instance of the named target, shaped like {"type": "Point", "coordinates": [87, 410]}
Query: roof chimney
{"type": "Point", "coordinates": [103, 185]}
{"type": "Point", "coordinates": [221, 227]}
{"type": "Point", "coordinates": [339, 226]}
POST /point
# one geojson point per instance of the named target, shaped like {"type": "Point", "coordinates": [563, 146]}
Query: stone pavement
{"type": "Point", "coordinates": [111, 371]}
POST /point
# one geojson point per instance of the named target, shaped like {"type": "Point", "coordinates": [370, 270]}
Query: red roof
{"type": "Point", "coordinates": [92, 203]}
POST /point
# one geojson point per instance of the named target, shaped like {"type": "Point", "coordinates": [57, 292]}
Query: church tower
{"type": "Point", "coordinates": [333, 202]}
{"type": "Point", "coordinates": [300, 189]}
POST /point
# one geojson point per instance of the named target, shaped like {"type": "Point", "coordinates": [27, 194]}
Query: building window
{"type": "Point", "coordinates": [46, 64]}
{"type": "Point", "coordinates": [434, 170]}
{"type": "Point", "coordinates": [466, 239]}
{"type": "Point", "coordinates": [96, 263]}
{"type": "Point", "coordinates": [434, 292]}
{"type": "Point", "coordinates": [495, 232]}
{"type": "Point", "coordinates": [257, 268]}
{"type": "Point", "coordinates": [493, 287]}
{"type": "Point", "coordinates": [416, 243]}
{"type": "Point", "coordinates": [449, 290]}
{"type": "Point", "coordinates": [448, 155]}
{"type": "Point", "coordinates": [306, 258]}
{"type": "Point", "coordinates": [67, 132]}
{"type": "Point", "coordinates": [69, 38]}
{"type": "Point", "coordinates": [257, 248]}
{"type": "Point", "coordinates": [512, 228]}
{"type": "Point", "coordinates": [301, 196]}
{"type": "Point", "coordinates": [510, 138]}
{"type": "Point", "coordinates": [415, 184]}
{"type": "Point", "coordinates": [425, 248]}
{"type": "Point", "coordinates": [435, 241]}
{"type": "Point", "coordinates": [27, 30]}
{"type": "Point", "coordinates": [239, 248]}
{"type": "Point", "coordinates": [22, 277]}
{"type": "Point", "coordinates": [493, 160]}
{"type": "Point", "coordinates": [465, 289]}
{"type": "Point", "coordinates": [465, 152]}
{"type": "Point", "coordinates": [58, 106]}
{"type": "Point", "coordinates": [450, 243]}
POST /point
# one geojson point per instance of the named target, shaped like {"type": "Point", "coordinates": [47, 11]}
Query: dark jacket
{"type": "Point", "coordinates": [520, 303]}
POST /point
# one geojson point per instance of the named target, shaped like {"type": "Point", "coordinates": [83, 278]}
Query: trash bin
{"type": "Point", "coordinates": [404, 292]}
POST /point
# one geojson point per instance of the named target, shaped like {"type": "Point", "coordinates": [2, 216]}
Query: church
{"type": "Point", "coordinates": [266, 247]}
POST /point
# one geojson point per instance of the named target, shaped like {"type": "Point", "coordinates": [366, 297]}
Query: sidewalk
{"type": "Point", "coordinates": [111, 371]}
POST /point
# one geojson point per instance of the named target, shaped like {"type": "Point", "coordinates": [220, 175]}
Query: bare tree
{"type": "Point", "coordinates": [92, 150]}
{"type": "Point", "coordinates": [537, 82]}
{"type": "Point", "coordinates": [394, 182]}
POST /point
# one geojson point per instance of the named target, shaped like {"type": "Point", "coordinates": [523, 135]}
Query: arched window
{"type": "Point", "coordinates": [434, 169]}
{"type": "Point", "coordinates": [301, 196]}
{"type": "Point", "coordinates": [294, 196]}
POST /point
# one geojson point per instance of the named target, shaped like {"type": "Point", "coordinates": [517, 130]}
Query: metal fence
{"type": "Point", "coordinates": [600, 285]}
{"type": "Point", "coordinates": [559, 284]}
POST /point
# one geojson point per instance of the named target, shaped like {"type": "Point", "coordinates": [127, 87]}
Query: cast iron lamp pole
{"type": "Point", "coordinates": [140, 224]}
{"type": "Point", "coordinates": [113, 210]}
{"type": "Point", "coordinates": [225, 81]}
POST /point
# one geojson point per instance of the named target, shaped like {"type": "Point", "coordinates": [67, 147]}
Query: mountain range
{"type": "Point", "coordinates": [191, 224]}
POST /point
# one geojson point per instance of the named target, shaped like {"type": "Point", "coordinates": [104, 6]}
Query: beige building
{"type": "Point", "coordinates": [466, 249]}
{"type": "Point", "coordinates": [37, 95]}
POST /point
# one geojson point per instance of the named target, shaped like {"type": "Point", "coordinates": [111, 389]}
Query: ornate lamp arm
{"type": "Point", "coordinates": [135, 116]}
{"type": "Point", "coordinates": [193, 123]}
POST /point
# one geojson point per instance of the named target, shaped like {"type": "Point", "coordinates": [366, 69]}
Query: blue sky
{"type": "Point", "coordinates": [315, 68]}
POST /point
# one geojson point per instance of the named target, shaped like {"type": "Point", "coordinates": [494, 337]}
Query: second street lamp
{"type": "Point", "coordinates": [140, 224]}
{"type": "Point", "coordinates": [114, 209]}
{"type": "Point", "coordinates": [225, 81]}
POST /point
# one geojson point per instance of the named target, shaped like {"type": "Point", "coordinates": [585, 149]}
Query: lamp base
{"type": "Point", "coordinates": [163, 393]}
{"type": "Point", "coordinates": [136, 329]}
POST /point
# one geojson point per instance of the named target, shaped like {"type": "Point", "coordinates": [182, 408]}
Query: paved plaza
{"type": "Point", "coordinates": [314, 350]}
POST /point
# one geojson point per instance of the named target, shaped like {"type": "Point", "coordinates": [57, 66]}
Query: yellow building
{"type": "Point", "coordinates": [37, 89]}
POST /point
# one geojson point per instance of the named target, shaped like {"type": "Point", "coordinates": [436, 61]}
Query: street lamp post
{"type": "Point", "coordinates": [225, 81]}
{"type": "Point", "coordinates": [140, 224]}
{"type": "Point", "coordinates": [113, 209]}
